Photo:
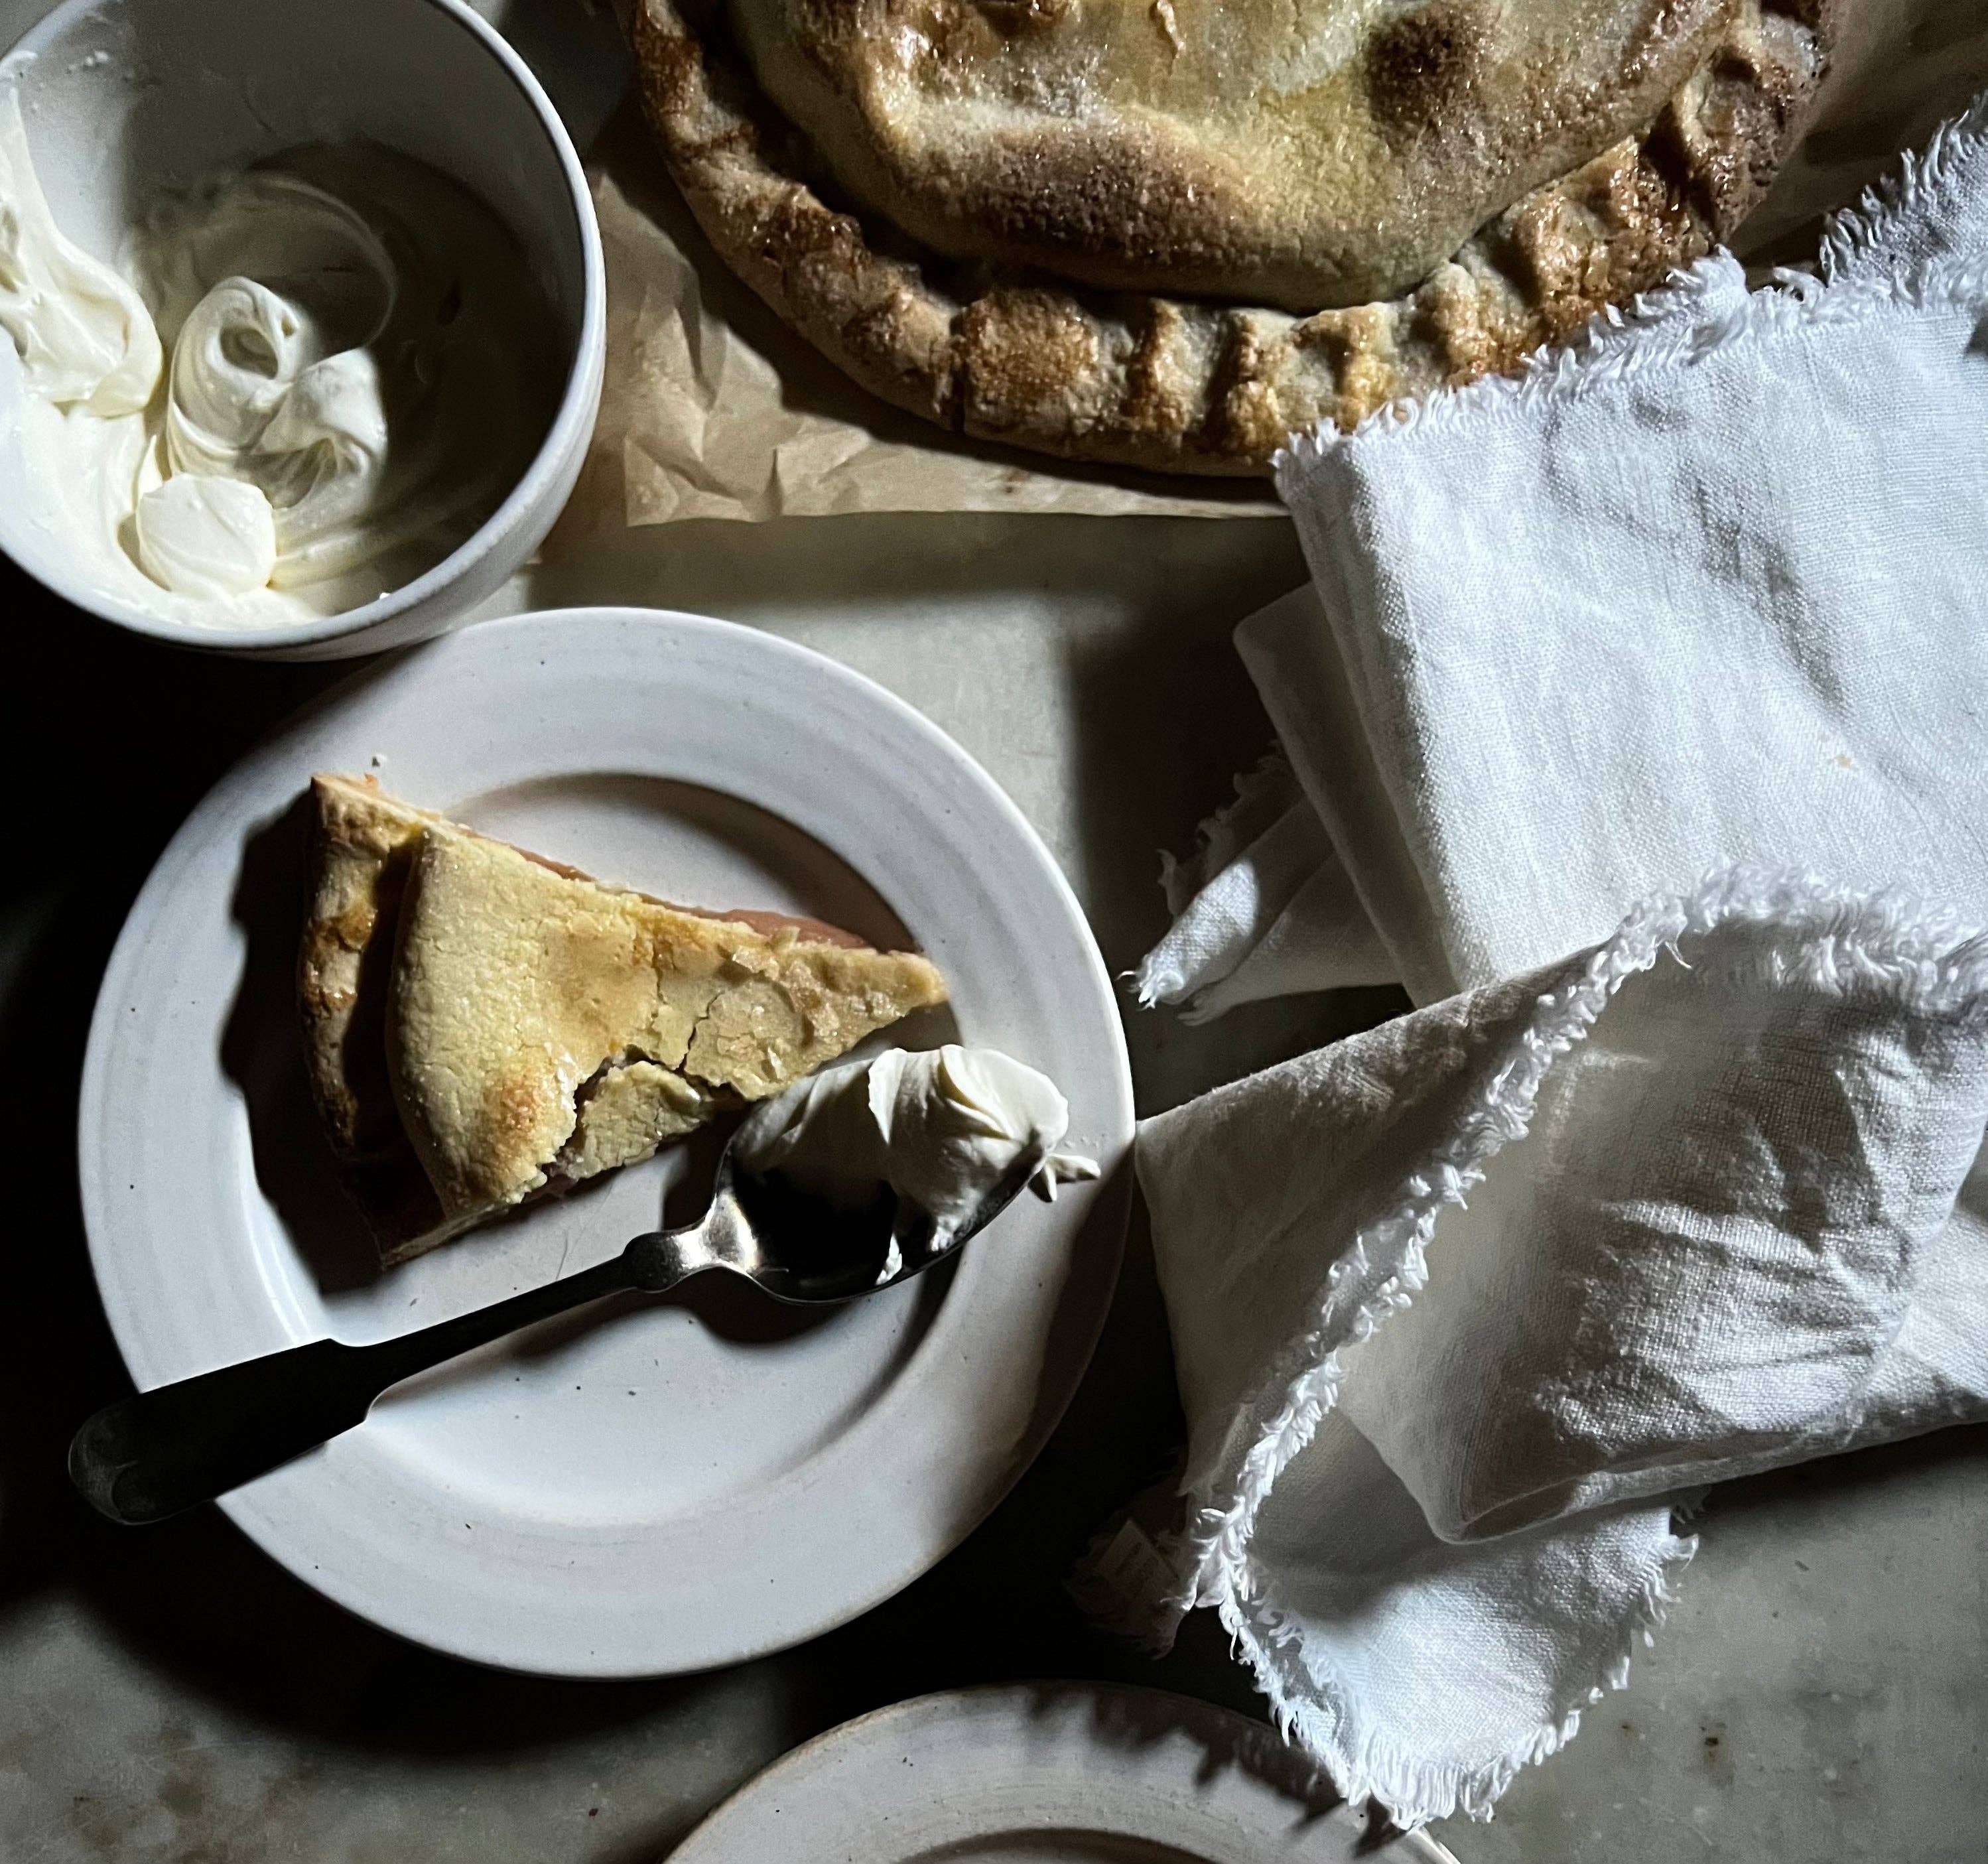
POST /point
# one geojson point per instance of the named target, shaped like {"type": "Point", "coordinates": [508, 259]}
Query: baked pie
{"type": "Point", "coordinates": [481, 1025]}
{"type": "Point", "coordinates": [1168, 233]}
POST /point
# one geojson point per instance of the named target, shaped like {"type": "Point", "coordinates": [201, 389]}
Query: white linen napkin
{"type": "Point", "coordinates": [1709, 586]}
{"type": "Point", "coordinates": [1712, 587]}
{"type": "Point", "coordinates": [1451, 1299]}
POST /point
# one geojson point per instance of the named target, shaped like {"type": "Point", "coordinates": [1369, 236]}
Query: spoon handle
{"type": "Point", "coordinates": [152, 1455]}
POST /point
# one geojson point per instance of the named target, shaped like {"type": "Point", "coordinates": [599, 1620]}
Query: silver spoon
{"type": "Point", "coordinates": [150, 1455]}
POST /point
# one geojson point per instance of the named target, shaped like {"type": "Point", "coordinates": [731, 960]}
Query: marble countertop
{"type": "Point", "coordinates": [1821, 1693]}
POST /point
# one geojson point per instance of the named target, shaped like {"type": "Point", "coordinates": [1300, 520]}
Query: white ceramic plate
{"type": "Point", "coordinates": [651, 1487]}
{"type": "Point", "coordinates": [1053, 1773]}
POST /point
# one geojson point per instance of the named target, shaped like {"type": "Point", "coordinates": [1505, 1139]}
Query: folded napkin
{"type": "Point", "coordinates": [1451, 1299]}
{"type": "Point", "coordinates": [1709, 585]}
{"type": "Point", "coordinates": [1466, 1306]}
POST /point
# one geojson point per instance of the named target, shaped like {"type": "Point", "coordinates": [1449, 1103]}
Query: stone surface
{"type": "Point", "coordinates": [1821, 1693]}
{"type": "Point", "coordinates": [172, 1697]}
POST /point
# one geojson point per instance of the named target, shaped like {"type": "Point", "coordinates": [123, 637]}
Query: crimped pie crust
{"type": "Point", "coordinates": [1181, 384]}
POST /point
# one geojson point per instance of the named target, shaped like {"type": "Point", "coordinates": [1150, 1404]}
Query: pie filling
{"type": "Point", "coordinates": [630, 1107]}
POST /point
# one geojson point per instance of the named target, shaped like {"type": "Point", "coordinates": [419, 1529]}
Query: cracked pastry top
{"type": "Point", "coordinates": [482, 1025]}
{"type": "Point", "coordinates": [1169, 232]}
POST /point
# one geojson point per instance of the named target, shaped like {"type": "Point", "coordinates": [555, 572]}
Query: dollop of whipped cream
{"type": "Point", "coordinates": [941, 1127]}
{"type": "Point", "coordinates": [360, 367]}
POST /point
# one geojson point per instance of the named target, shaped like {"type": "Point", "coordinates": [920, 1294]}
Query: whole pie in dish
{"type": "Point", "coordinates": [1168, 233]}
{"type": "Point", "coordinates": [481, 1025]}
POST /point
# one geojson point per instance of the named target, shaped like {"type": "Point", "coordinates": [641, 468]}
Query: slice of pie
{"type": "Point", "coordinates": [482, 1025]}
{"type": "Point", "coordinates": [1168, 233]}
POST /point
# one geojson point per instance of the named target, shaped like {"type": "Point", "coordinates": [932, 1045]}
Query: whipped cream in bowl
{"type": "Point", "coordinates": [293, 358]}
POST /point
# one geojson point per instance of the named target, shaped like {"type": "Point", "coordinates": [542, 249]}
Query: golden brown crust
{"type": "Point", "coordinates": [1234, 149]}
{"type": "Point", "coordinates": [1184, 385]}
{"type": "Point", "coordinates": [361, 961]}
{"type": "Point", "coordinates": [530, 1009]}
{"type": "Point", "coordinates": [363, 844]}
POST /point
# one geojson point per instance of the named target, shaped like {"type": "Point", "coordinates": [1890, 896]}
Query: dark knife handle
{"type": "Point", "coordinates": [149, 1457]}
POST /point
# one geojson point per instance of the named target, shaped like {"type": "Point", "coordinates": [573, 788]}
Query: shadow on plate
{"type": "Point", "coordinates": [262, 1052]}
{"type": "Point", "coordinates": [1142, 1718]}
{"type": "Point", "coordinates": [1133, 1719]}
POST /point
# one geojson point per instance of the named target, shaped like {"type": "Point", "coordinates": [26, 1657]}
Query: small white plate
{"type": "Point", "coordinates": [1048, 1773]}
{"type": "Point", "coordinates": [649, 1488]}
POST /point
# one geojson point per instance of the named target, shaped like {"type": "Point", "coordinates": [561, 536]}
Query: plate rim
{"type": "Point", "coordinates": [1104, 1231]}
{"type": "Point", "coordinates": [1193, 1713]}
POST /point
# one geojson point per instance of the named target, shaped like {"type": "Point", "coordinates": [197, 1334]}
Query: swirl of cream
{"type": "Point", "coordinates": [274, 386]}
{"type": "Point", "coordinates": [363, 360]}
{"type": "Point", "coordinates": [355, 337]}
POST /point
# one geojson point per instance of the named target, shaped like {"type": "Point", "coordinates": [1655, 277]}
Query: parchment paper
{"type": "Point", "coordinates": [713, 408]}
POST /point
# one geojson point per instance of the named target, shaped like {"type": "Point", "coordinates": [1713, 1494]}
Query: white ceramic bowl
{"type": "Point", "coordinates": [122, 97]}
